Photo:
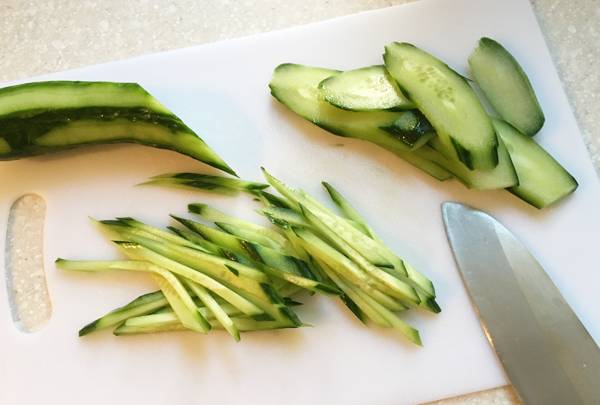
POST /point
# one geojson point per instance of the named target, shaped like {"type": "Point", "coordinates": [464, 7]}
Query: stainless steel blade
{"type": "Point", "coordinates": [548, 355]}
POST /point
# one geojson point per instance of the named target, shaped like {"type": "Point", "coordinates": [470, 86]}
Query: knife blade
{"type": "Point", "coordinates": [548, 355]}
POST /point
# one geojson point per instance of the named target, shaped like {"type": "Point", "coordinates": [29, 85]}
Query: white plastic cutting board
{"type": "Point", "coordinates": [221, 91]}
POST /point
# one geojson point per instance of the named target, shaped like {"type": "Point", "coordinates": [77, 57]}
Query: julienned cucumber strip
{"type": "Point", "coordinates": [296, 87]}
{"type": "Point", "coordinates": [43, 117]}
{"type": "Point", "coordinates": [199, 181]}
{"type": "Point", "coordinates": [143, 305]}
{"type": "Point", "coordinates": [167, 322]}
{"type": "Point", "coordinates": [271, 261]}
{"type": "Point", "coordinates": [364, 89]}
{"type": "Point", "coordinates": [265, 236]}
{"type": "Point", "coordinates": [542, 180]}
{"type": "Point", "coordinates": [506, 86]}
{"type": "Point", "coordinates": [448, 102]}
{"type": "Point", "coordinates": [173, 290]}
{"type": "Point", "coordinates": [350, 212]}
{"type": "Point", "coordinates": [213, 306]}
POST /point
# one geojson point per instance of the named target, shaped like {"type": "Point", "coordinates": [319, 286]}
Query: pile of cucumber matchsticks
{"type": "Point", "coordinates": [241, 277]}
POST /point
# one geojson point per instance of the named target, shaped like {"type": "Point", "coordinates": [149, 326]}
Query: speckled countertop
{"type": "Point", "coordinates": [46, 36]}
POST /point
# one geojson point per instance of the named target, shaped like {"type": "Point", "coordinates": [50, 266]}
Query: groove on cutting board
{"type": "Point", "coordinates": [28, 296]}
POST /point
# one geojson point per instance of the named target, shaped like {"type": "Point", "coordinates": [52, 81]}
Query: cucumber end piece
{"type": "Point", "coordinates": [89, 328]}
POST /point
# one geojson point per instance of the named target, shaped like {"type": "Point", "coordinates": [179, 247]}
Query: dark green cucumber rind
{"type": "Point", "coordinates": [296, 87]}
{"type": "Point", "coordinates": [542, 180]}
{"type": "Point", "coordinates": [506, 86]}
{"type": "Point", "coordinates": [338, 90]}
{"type": "Point", "coordinates": [412, 128]}
{"type": "Point", "coordinates": [38, 97]}
{"type": "Point", "coordinates": [144, 304]}
{"type": "Point", "coordinates": [351, 305]}
{"type": "Point", "coordinates": [272, 199]}
{"type": "Point", "coordinates": [471, 141]}
{"type": "Point", "coordinates": [26, 137]}
{"type": "Point", "coordinates": [205, 182]}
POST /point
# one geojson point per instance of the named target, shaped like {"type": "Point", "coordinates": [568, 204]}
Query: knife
{"type": "Point", "coordinates": [548, 355]}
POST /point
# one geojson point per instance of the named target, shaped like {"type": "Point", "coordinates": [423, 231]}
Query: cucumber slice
{"type": "Point", "coordinates": [260, 294]}
{"type": "Point", "coordinates": [171, 287]}
{"type": "Point", "coordinates": [199, 181]}
{"type": "Point", "coordinates": [501, 176]}
{"type": "Point", "coordinates": [143, 305]}
{"type": "Point", "coordinates": [448, 102]}
{"type": "Point", "coordinates": [542, 180]}
{"type": "Point", "coordinates": [268, 260]}
{"type": "Point", "coordinates": [167, 322]}
{"type": "Point", "coordinates": [296, 87]}
{"type": "Point", "coordinates": [213, 306]}
{"type": "Point", "coordinates": [506, 86]}
{"type": "Point", "coordinates": [365, 89]}
{"type": "Point", "coordinates": [244, 229]}
{"type": "Point", "coordinates": [44, 117]}
{"type": "Point", "coordinates": [412, 128]}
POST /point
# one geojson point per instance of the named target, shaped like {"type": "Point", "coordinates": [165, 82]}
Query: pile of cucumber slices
{"type": "Point", "coordinates": [240, 276]}
{"type": "Point", "coordinates": [420, 109]}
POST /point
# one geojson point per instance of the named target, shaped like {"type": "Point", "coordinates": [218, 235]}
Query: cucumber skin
{"type": "Point", "coordinates": [534, 193]}
{"type": "Point", "coordinates": [521, 86]}
{"type": "Point", "coordinates": [23, 129]}
{"type": "Point", "coordinates": [454, 148]}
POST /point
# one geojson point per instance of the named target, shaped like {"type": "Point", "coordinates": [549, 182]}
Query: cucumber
{"type": "Point", "coordinates": [43, 117]}
{"type": "Point", "coordinates": [448, 102]}
{"type": "Point", "coordinates": [215, 309]}
{"type": "Point", "coordinates": [167, 322]}
{"type": "Point", "coordinates": [412, 128]}
{"type": "Point", "coordinates": [143, 305]}
{"type": "Point", "coordinates": [260, 294]}
{"type": "Point", "coordinates": [268, 260]}
{"type": "Point", "coordinates": [175, 293]}
{"type": "Point", "coordinates": [199, 181]}
{"type": "Point", "coordinates": [542, 180]}
{"type": "Point", "coordinates": [365, 89]}
{"type": "Point", "coordinates": [501, 176]}
{"type": "Point", "coordinates": [296, 87]}
{"type": "Point", "coordinates": [260, 234]}
{"type": "Point", "coordinates": [506, 86]}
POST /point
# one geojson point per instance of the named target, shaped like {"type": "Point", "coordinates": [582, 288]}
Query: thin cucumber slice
{"type": "Point", "coordinates": [365, 89]}
{"type": "Point", "coordinates": [213, 306]}
{"type": "Point", "coordinates": [43, 117]}
{"type": "Point", "coordinates": [136, 251]}
{"type": "Point", "coordinates": [542, 180]}
{"type": "Point", "coordinates": [268, 260]}
{"type": "Point", "coordinates": [260, 294]}
{"type": "Point", "coordinates": [284, 216]}
{"type": "Point", "coordinates": [167, 323]}
{"type": "Point", "coordinates": [262, 235]}
{"type": "Point", "coordinates": [367, 247]}
{"type": "Point", "coordinates": [448, 102]}
{"type": "Point", "coordinates": [143, 305]}
{"type": "Point", "coordinates": [145, 230]}
{"type": "Point", "coordinates": [501, 176]}
{"type": "Point", "coordinates": [272, 200]}
{"type": "Point", "coordinates": [296, 87]}
{"type": "Point", "coordinates": [506, 86]}
{"type": "Point", "coordinates": [422, 282]}
{"type": "Point", "coordinates": [356, 297]}
{"type": "Point", "coordinates": [202, 256]}
{"type": "Point", "coordinates": [173, 290]}
{"type": "Point", "coordinates": [199, 181]}
{"type": "Point", "coordinates": [394, 286]}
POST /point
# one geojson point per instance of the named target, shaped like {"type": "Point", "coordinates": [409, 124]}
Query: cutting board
{"type": "Point", "coordinates": [220, 90]}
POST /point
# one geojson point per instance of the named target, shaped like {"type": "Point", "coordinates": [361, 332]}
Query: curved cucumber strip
{"type": "Point", "coordinates": [448, 102]}
{"type": "Point", "coordinates": [365, 89]}
{"type": "Point", "coordinates": [44, 117]}
{"type": "Point", "coordinates": [506, 86]}
{"type": "Point", "coordinates": [296, 87]}
{"type": "Point", "coordinates": [542, 180]}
